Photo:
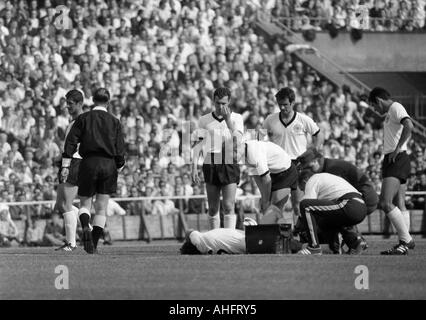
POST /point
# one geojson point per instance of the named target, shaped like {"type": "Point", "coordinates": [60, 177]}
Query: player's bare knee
{"type": "Point", "coordinates": [386, 205]}
{"type": "Point", "coordinates": [213, 211]}
{"type": "Point", "coordinates": [228, 207]}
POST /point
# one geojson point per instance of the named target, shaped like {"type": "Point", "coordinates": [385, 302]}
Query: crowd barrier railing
{"type": "Point", "coordinates": [174, 225]}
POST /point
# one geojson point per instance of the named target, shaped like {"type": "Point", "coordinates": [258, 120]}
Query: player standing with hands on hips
{"type": "Point", "coordinates": [101, 139]}
{"type": "Point", "coordinates": [219, 133]}
{"type": "Point", "coordinates": [67, 188]}
{"type": "Point", "coordinates": [396, 166]}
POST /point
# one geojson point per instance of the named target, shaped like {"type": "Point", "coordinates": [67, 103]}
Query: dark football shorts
{"type": "Point", "coordinates": [285, 179]}
{"type": "Point", "coordinates": [97, 175]}
{"type": "Point", "coordinates": [73, 172]}
{"type": "Point", "coordinates": [221, 174]}
{"type": "Point", "coordinates": [399, 169]}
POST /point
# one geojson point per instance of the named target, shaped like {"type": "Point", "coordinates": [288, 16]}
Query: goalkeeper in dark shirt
{"type": "Point", "coordinates": [101, 140]}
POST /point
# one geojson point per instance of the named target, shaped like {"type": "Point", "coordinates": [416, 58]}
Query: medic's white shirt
{"type": "Point", "coordinates": [213, 131]}
{"type": "Point", "coordinates": [230, 241]}
{"type": "Point", "coordinates": [265, 156]}
{"type": "Point", "coordinates": [326, 186]}
{"type": "Point", "coordinates": [392, 127]}
{"type": "Point", "coordinates": [292, 137]}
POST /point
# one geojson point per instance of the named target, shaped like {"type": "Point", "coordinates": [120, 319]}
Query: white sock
{"type": "Point", "coordinates": [214, 222]}
{"type": "Point", "coordinates": [395, 216]}
{"type": "Point", "coordinates": [70, 221]}
{"type": "Point", "coordinates": [99, 221]}
{"type": "Point", "coordinates": [230, 221]}
{"type": "Point", "coordinates": [406, 215]}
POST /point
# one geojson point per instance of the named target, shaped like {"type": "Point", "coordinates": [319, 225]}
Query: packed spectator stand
{"type": "Point", "coordinates": [366, 15]}
{"type": "Point", "coordinates": [161, 63]}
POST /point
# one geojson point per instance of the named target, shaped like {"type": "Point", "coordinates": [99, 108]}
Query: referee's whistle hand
{"type": "Point", "coordinates": [195, 177]}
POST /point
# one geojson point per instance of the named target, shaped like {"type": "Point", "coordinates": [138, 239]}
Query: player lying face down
{"type": "Point", "coordinates": [221, 241]}
{"type": "Point", "coordinates": [274, 173]}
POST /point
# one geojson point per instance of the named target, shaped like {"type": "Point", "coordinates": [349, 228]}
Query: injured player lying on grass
{"type": "Point", "coordinates": [233, 241]}
{"type": "Point", "coordinates": [222, 241]}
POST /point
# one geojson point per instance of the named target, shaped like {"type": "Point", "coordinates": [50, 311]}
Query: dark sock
{"type": "Point", "coordinates": [84, 219]}
{"type": "Point", "coordinates": [350, 236]}
{"type": "Point", "coordinates": [97, 232]}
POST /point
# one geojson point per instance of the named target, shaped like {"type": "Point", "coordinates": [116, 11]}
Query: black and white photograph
{"type": "Point", "coordinates": [212, 155]}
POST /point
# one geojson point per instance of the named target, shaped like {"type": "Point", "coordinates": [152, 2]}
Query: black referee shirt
{"type": "Point", "coordinates": [99, 134]}
{"type": "Point", "coordinates": [346, 170]}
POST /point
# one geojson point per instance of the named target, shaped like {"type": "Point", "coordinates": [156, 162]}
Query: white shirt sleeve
{"type": "Point", "coordinates": [200, 133]}
{"type": "Point", "coordinates": [239, 123]}
{"type": "Point", "coordinates": [257, 163]}
{"type": "Point", "coordinates": [265, 124]}
{"type": "Point", "coordinates": [311, 188]}
{"type": "Point", "coordinates": [399, 113]}
{"type": "Point", "coordinates": [310, 125]}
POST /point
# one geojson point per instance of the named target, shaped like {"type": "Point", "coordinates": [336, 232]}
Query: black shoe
{"type": "Point", "coordinates": [311, 251]}
{"type": "Point", "coordinates": [411, 245]}
{"type": "Point", "coordinates": [66, 247]}
{"type": "Point", "coordinates": [400, 249]}
{"type": "Point", "coordinates": [87, 241]}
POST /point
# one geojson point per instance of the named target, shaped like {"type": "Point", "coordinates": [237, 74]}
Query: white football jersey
{"type": "Point", "coordinates": [392, 128]}
{"type": "Point", "coordinates": [265, 156]}
{"type": "Point", "coordinates": [213, 131]}
{"type": "Point", "coordinates": [231, 241]}
{"type": "Point", "coordinates": [326, 186]}
{"type": "Point", "coordinates": [76, 155]}
{"type": "Point", "coordinates": [292, 137]}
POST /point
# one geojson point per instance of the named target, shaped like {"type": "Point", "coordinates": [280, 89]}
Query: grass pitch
{"type": "Point", "coordinates": [157, 271]}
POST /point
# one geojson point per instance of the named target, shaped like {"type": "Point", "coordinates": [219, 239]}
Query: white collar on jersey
{"type": "Point", "coordinates": [100, 108]}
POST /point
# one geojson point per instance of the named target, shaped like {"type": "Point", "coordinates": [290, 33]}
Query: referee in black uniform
{"type": "Point", "coordinates": [101, 141]}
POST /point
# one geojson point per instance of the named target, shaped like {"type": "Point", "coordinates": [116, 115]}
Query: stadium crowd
{"type": "Point", "coordinates": [378, 15]}
{"type": "Point", "coordinates": [161, 64]}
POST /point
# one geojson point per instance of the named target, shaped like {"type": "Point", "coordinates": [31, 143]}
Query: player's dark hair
{"type": "Point", "coordinates": [101, 95]}
{"type": "Point", "coordinates": [308, 156]}
{"type": "Point", "coordinates": [74, 95]}
{"type": "Point", "coordinates": [222, 92]}
{"type": "Point", "coordinates": [189, 248]}
{"type": "Point", "coordinates": [378, 92]}
{"type": "Point", "coordinates": [286, 93]}
{"type": "Point", "coordinates": [304, 175]}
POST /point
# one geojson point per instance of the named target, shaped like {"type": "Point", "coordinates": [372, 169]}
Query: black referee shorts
{"type": "Point", "coordinates": [399, 169]}
{"type": "Point", "coordinates": [72, 178]}
{"type": "Point", "coordinates": [97, 175]}
{"type": "Point", "coordinates": [285, 179]}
